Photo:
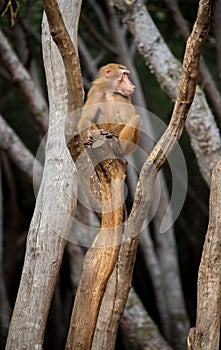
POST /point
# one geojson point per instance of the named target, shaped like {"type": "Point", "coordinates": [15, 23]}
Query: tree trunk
{"type": "Point", "coordinates": [200, 124]}
{"type": "Point", "coordinates": [121, 282]}
{"type": "Point", "coordinates": [101, 258]}
{"type": "Point", "coordinates": [206, 335]}
{"type": "Point", "coordinates": [54, 209]}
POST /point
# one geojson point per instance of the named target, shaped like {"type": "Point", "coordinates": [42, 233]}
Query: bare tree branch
{"type": "Point", "coordinates": [160, 152]}
{"type": "Point", "coordinates": [138, 328]}
{"type": "Point", "coordinates": [68, 51]}
{"type": "Point", "coordinates": [55, 206]}
{"type": "Point", "coordinates": [206, 334]}
{"type": "Point", "coordinates": [4, 302]}
{"type": "Point", "coordinates": [23, 80]}
{"type": "Point", "coordinates": [200, 124]}
{"type": "Point", "coordinates": [104, 44]}
{"type": "Point", "coordinates": [91, 67]}
{"type": "Point", "coordinates": [208, 83]}
{"type": "Point", "coordinates": [18, 152]}
{"type": "Point", "coordinates": [217, 31]}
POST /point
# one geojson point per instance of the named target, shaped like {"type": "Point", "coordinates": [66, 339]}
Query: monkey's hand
{"type": "Point", "coordinates": [109, 134]}
{"type": "Point", "coordinates": [87, 138]}
{"type": "Point", "coordinates": [112, 138]}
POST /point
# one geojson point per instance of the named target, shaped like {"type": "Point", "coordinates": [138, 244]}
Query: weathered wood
{"type": "Point", "coordinates": [21, 77]}
{"type": "Point", "coordinates": [139, 330]}
{"type": "Point", "coordinates": [200, 125]}
{"type": "Point", "coordinates": [54, 208]}
{"type": "Point", "coordinates": [156, 160]}
{"type": "Point", "coordinates": [101, 258]}
{"type": "Point", "coordinates": [206, 334]}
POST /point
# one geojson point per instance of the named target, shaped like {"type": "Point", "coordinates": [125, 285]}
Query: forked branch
{"type": "Point", "coordinates": [154, 162]}
{"type": "Point", "coordinates": [149, 171]}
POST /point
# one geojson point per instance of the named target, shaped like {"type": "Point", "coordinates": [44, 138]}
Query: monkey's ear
{"type": "Point", "coordinates": [108, 72]}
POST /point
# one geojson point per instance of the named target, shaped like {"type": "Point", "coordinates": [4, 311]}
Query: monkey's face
{"type": "Point", "coordinates": [117, 79]}
{"type": "Point", "coordinates": [125, 87]}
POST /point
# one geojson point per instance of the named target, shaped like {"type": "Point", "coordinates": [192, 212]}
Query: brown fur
{"type": "Point", "coordinates": [108, 107]}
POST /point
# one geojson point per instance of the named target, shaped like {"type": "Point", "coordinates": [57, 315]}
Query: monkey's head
{"type": "Point", "coordinates": [116, 78]}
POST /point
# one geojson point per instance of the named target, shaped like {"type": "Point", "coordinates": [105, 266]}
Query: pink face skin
{"type": "Point", "coordinates": [125, 87]}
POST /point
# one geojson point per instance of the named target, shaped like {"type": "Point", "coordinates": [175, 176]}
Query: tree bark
{"type": "Point", "coordinates": [23, 80]}
{"type": "Point", "coordinates": [217, 29]}
{"type": "Point", "coordinates": [55, 206]}
{"type": "Point", "coordinates": [18, 153]}
{"type": "Point", "coordinates": [200, 125]}
{"type": "Point", "coordinates": [101, 258]}
{"type": "Point", "coordinates": [208, 83]}
{"type": "Point", "coordinates": [177, 322]}
{"type": "Point", "coordinates": [206, 335]}
{"type": "Point", "coordinates": [121, 284]}
{"type": "Point", "coordinates": [5, 312]}
{"type": "Point", "coordinates": [138, 328]}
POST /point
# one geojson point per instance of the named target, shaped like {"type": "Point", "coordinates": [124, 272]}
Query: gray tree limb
{"type": "Point", "coordinates": [206, 334]}
{"type": "Point", "coordinates": [200, 125]}
{"type": "Point", "coordinates": [23, 80]}
{"type": "Point", "coordinates": [55, 206]}
{"type": "Point", "coordinates": [19, 153]}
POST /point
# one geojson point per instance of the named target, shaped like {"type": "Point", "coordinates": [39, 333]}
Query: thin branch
{"type": "Point", "coordinates": [208, 83]}
{"type": "Point", "coordinates": [136, 12]}
{"type": "Point", "coordinates": [100, 15]}
{"type": "Point", "coordinates": [18, 152]}
{"type": "Point", "coordinates": [91, 67]}
{"type": "Point", "coordinates": [23, 80]}
{"type": "Point", "coordinates": [68, 51]}
{"type": "Point", "coordinates": [217, 31]}
{"type": "Point", "coordinates": [182, 105]}
{"type": "Point", "coordinates": [90, 28]}
{"type": "Point", "coordinates": [200, 124]}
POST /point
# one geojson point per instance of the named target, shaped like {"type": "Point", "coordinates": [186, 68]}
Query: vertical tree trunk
{"type": "Point", "coordinates": [206, 335]}
{"type": "Point", "coordinates": [55, 206]}
{"type": "Point", "coordinates": [4, 302]}
{"type": "Point", "coordinates": [101, 258]}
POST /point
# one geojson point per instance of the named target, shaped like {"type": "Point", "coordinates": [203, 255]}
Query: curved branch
{"type": "Point", "coordinates": [162, 149]}
{"type": "Point", "coordinates": [68, 51]}
{"type": "Point", "coordinates": [200, 125]}
{"type": "Point", "coordinates": [208, 83]}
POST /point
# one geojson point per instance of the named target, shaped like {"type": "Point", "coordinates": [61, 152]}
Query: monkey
{"type": "Point", "coordinates": [108, 108]}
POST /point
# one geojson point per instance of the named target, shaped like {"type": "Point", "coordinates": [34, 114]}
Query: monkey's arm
{"type": "Point", "coordinates": [87, 122]}
{"type": "Point", "coordinates": [129, 135]}
{"type": "Point", "coordinates": [88, 119]}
